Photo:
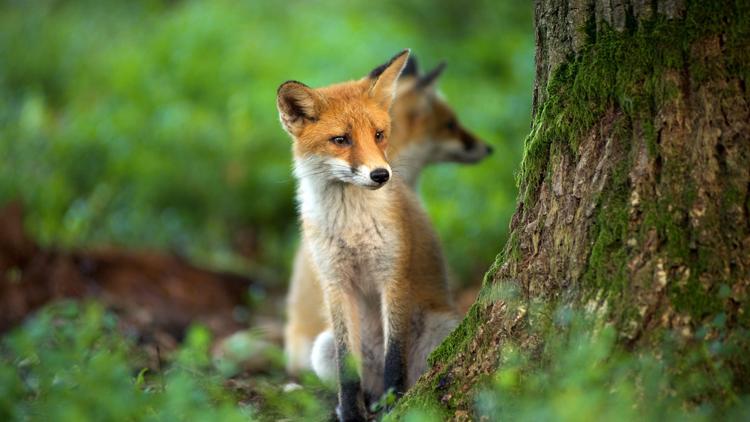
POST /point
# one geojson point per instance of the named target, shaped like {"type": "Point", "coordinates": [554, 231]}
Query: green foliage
{"type": "Point", "coordinates": [153, 124]}
{"type": "Point", "coordinates": [309, 402]}
{"type": "Point", "coordinates": [582, 374]}
{"type": "Point", "coordinates": [69, 361]}
{"type": "Point", "coordinates": [570, 365]}
{"type": "Point", "coordinates": [150, 123]}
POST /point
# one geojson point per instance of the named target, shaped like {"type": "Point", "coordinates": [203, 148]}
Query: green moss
{"type": "Point", "coordinates": [423, 396]}
{"type": "Point", "coordinates": [459, 337]}
{"type": "Point", "coordinates": [625, 71]}
{"type": "Point", "coordinates": [510, 255]}
{"type": "Point", "coordinates": [607, 264]}
{"type": "Point", "coordinates": [489, 293]}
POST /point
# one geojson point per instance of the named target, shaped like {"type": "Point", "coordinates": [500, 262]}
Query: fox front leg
{"type": "Point", "coordinates": [394, 375]}
{"type": "Point", "coordinates": [396, 315]}
{"type": "Point", "coordinates": [350, 406]}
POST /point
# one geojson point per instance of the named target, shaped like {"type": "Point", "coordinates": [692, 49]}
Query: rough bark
{"type": "Point", "coordinates": [634, 188]}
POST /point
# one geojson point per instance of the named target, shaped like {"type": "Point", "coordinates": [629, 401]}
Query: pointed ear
{"type": "Point", "coordinates": [298, 105]}
{"type": "Point", "coordinates": [431, 77]}
{"type": "Point", "coordinates": [411, 68]}
{"type": "Point", "coordinates": [384, 77]}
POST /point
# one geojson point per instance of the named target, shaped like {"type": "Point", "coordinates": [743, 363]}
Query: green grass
{"type": "Point", "coordinates": [71, 363]}
{"type": "Point", "coordinates": [581, 374]}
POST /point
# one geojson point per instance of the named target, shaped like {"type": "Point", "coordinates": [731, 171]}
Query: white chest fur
{"type": "Point", "coordinates": [350, 233]}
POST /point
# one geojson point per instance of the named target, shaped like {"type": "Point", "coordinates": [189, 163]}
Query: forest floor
{"type": "Point", "coordinates": [157, 298]}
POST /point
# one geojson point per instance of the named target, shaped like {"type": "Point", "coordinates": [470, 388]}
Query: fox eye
{"type": "Point", "coordinates": [378, 136]}
{"type": "Point", "coordinates": [451, 125]}
{"type": "Point", "coordinates": [341, 141]}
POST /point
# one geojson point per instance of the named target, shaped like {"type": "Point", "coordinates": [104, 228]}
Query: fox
{"type": "Point", "coordinates": [379, 262]}
{"type": "Point", "coordinates": [425, 131]}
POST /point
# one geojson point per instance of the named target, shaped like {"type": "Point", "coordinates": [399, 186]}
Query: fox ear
{"type": "Point", "coordinates": [298, 105]}
{"type": "Point", "coordinates": [384, 78]}
{"type": "Point", "coordinates": [411, 68]}
{"type": "Point", "coordinates": [431, 77]}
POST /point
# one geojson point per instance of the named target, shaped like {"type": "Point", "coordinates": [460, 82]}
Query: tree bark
{"type": "Point", "coordinates": [634, 191]}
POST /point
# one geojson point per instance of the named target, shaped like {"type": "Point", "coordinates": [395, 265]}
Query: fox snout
{"type": "Point", "coordinates": [380, 175]}
{"type": "Point", "coordinates": [472, 149]}
{"type": "Point", "coordinates": [471, 143]}
{"type": "Point", "coordinates": [368, 160]}
{"type": "Point", "coordinates": [369, 177]}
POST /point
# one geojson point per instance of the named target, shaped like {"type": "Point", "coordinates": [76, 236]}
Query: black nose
{"type": "Point", "coordinates": [489, 150]}
{"type": "Point", "coordinates": [380, 175]}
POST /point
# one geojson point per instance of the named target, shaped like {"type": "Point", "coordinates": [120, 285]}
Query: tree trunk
{"type": "Point", "coordinates": [634, 189]}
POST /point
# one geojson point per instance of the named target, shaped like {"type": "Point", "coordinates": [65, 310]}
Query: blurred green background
{"type": "Point", "coordinates": [153, 123]}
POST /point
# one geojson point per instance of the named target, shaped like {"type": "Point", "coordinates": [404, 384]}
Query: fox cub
{"type": "Point", "coordinates": [379, 262]}
{"type": "Point", "coordinates": [425, 130]}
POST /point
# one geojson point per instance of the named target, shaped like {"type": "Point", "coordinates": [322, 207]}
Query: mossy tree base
{"type": "Point", "coordinates": [635, 192]}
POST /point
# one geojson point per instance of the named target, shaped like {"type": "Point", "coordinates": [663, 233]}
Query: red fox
{"type": "Point", "coordinates": [371, 244]}
{"type": "Point", "coordinates": [424, 131]}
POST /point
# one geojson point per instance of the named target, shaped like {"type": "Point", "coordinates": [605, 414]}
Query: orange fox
{"type": "Point", "coordinates": [371, 244]}
{"type": "Point", "coordinates": [424, 131]}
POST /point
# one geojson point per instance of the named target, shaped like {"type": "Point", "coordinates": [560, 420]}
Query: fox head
{"type": "Point", "coordinates": [425, 128]}
{"type": "Point", "coordinates": [341, 131]}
